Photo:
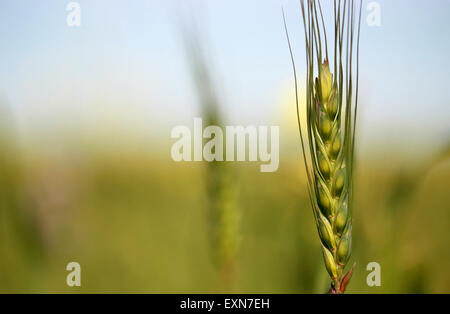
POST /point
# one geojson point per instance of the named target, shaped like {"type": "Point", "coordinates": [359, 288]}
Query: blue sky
{"type": "Point", "coordinates": [126, 63]}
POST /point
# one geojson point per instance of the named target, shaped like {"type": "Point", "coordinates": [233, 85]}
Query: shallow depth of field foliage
{"type": "Point", "coordinates": [137, 222]}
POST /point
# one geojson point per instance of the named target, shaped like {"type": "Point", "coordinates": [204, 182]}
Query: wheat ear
{"type": "Point", "coordinates": [330, 136]}
{"type": "Point", "coordinates": [220, 178]}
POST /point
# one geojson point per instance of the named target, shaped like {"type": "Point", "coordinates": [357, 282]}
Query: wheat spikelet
{"type": "Point", "coordinates": [330, 131]}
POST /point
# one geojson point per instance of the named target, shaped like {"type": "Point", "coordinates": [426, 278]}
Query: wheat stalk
{"type": "Point", "coordinates": [330, 130]}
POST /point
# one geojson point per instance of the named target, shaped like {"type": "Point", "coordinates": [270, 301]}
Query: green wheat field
{"type": "Point", "coordinates": [137, 222]}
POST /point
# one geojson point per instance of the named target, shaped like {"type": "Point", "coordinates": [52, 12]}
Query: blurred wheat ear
{"type": "Point", "coordinates": [329, 142]}
{"type": "Point", "coordinates": [220, 178]}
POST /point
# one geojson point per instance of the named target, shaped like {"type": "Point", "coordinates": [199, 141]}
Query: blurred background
{"type": "Point", "coordinates": [86, 173]}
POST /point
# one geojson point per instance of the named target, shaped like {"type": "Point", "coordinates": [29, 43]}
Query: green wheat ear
{"type": "Point", "coordinates": [330, 130]}
{"type": "Point", "coordinates": [220, 179]}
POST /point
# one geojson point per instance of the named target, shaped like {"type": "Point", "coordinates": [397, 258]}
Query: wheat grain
{"type": "Point", "coordinates": [330, 131]}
